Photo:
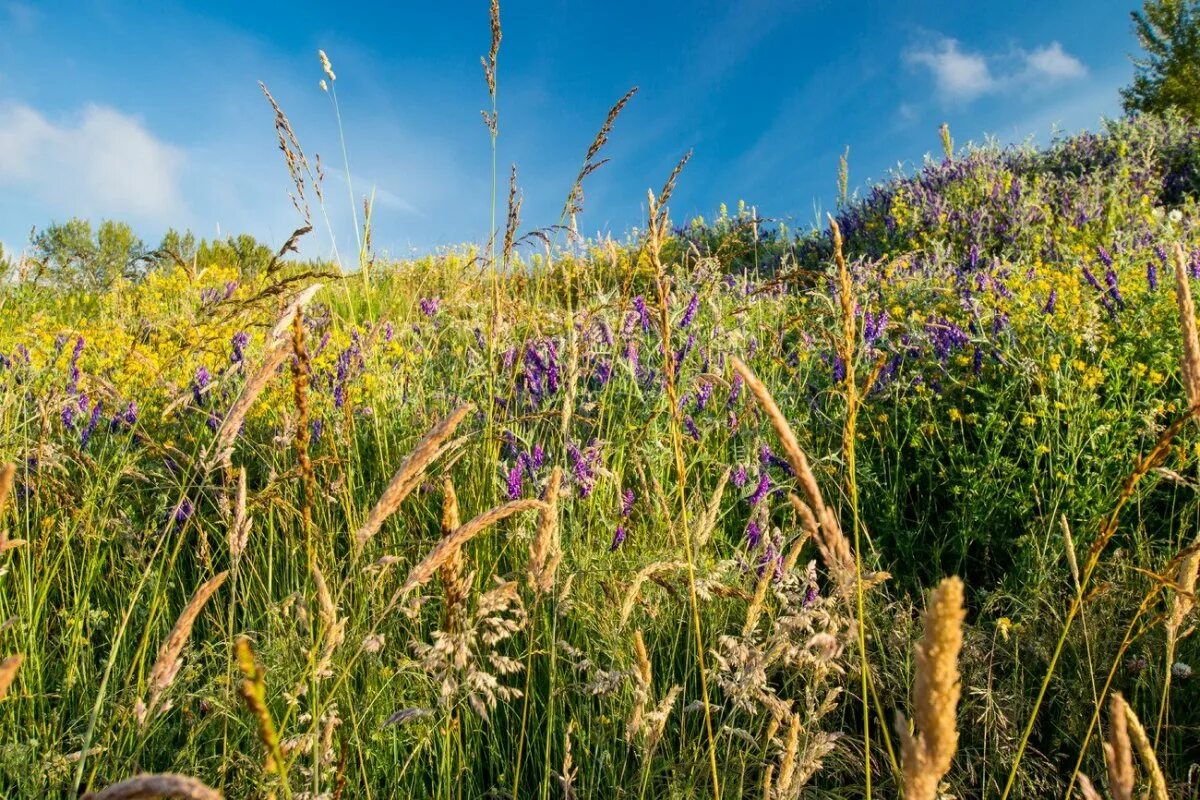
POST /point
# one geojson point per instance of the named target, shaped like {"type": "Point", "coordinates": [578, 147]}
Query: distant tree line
{"type": "Point", "coordinates": [74, 255]}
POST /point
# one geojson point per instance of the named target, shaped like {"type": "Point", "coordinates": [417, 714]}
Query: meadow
{"type": "Point", "coordinates": [901, 505]}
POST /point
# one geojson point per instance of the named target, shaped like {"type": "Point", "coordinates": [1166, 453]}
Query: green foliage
{"type": "Point", "coordinates": [71, 255]}
{"type": "Point", "coordinates": [1168, 74]}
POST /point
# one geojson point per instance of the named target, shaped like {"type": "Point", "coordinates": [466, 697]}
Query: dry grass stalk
{"type": "Point", "coordinates": [574, 204]}
{"type": "Point", "coordinates": [787, 766]}
{"type": "Point", "coordinates": [643, 677]}
{"type": "Point", "coordinates": [410, 473]}
{"type": "Point", "coordinates": [643, 575]}
{"type": "Point", "coordinates": [1190, 363]}
{"type": "Point", "coordinates": [835, 549]}
{"type": "Point", "coordinates": [300, 370]}
{"type": "Point", "coordinates": [936, 689]}
{"type": "Point", "coordinates": [566, 776]}
{"type": "Point", "coordinates": [448, 547]}
{"type": "Point", "coordinates": [8, 474]}
{"type": "Point", "coordinates": [167, 664]}
{"type": "Point", "coordinates": [754, 610]}
{"type": "Point", "coordinates": [333, 629]}
{"type": "Point", "coordinates": [455, 583]}
{"type": "Point", "coordinates": [1185, 590]}
{"type": "Point", "coordinates": [147, 787]}
{"type": "Point", "coordinates": [1069, 545]}
{"type": "Point", "coordinates": [545, 551]}
{"type": "Point", "coordinates": [221, 449]}
{"type": "Point", "coordinates": [1118, 754]}
{"type": "Point", "coordinates": [293, 156]}
{"type": "Point", "coordinates": [1145, 751]}
{"type": "Point", "coordinates": [512, 220]}
{"type": "Point", "coordinates": [254, 692]}
{"type": "Point", "coordinates": [239, 531]}
{"type": "Point", "coordinates": [8, 673]}
{"type": "Point", "coordinates": [1087, 790]}
{"type": "Point", "coordinates": [708, 523]}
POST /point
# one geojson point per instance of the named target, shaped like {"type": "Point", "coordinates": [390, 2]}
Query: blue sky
{"type": "Point", "coordinates": [151, 113]}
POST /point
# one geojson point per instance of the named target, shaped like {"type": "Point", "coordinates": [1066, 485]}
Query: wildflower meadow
{"type": "Point", "coordinates": [901, 504]}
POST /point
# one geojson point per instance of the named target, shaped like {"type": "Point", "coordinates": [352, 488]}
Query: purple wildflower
{"type": "Point", "coordinates": [690, 313]}
{"type": "Point", "coordinates": [1152, 276]}
{"type": "Point", "coordinates": [764, 488]}
{"type": "Point", "coordinates": [618, 539]}
{"type": "Point", "coordinates": [516, 480]}
{"type": "Point", "coordinates": [430, 305]}
{"type": "Point", "coordinates": [1091, 279]}
{"type": "Point", "coordinates": [769, 459]}
{"type": "Point", "coordinates": [583, 468]}
{"type": "Point", "coordinates": [238, 343]}
{"type": "Point", "coordinates": [639, 305]}
{"type": "Point", "coordinates": [124, 419]}
{"type": "Point", "coordinates": [1105, 257]}
{"type": "Point", "coordinates": [735, 390]}
{"type": "Point", "coordinates": [692, 430]}
{"type": "Point", "coordinates": [92, 422]}
{"type": "Point", "coordinates": [753, 535]}
{"type": "Point", "coordinates": [703, 394]}
{"type": "Point", "coordinates": [1114, 292]}
{"type": "Point", "coordinates": [68, 416]}
{"type": "Point", "coordinates": [627, 500]}
{"type": "Point", "coordinates": [73, 384]}
{"type": "Point", "coordinates": [739, 476]}
{"type": "Point", "coordinates": [199, 383]}
{"type": "Point", "coordinates": [1051, 302]}
{"type": "Point", "coordinates": [873, 327]}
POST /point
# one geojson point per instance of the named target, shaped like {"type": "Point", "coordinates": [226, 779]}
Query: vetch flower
{"type": "Point", "coordinates": [763, 488]}
{"type": "Point", "coordinates": [627, 501]}
{"type": "Point", "coordinates": [618, 539]}
{"type": "Point", "coordinates": [689, 313]}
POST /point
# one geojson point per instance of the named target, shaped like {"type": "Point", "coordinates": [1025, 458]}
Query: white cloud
{"type": "Point", "coordinates": [1053, 62]}
{"type": "Point", "coordinates": [101, 163]}
{"type": "Point", "coordinates": [959, 75]}
{"type": "Point", "coordinates": [962, 76]}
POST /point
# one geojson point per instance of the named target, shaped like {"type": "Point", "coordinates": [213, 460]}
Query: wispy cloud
{"type": "Point", "coordinates": [1053, 62]}
{"type": "Point", "coordinates": [962, 75]}
{"type": "Point", "coordinates": [101, 162]}
{"type": "Point", "coordinates": [959, 75]}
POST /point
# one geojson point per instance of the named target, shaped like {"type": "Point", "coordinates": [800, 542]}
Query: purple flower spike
{"type": "Point", "coordinates": [753, 535]}
{"type": "Point", "coordinates": [1152, 276]}
{"type": "Point", "coordinates": [739, 476]}
{"type": "Point", "coordinates": [430, 305]}
{"type": "Point", "coordinates": [238, 343]}
{"type": "Point", "coordinates": [627, 500]}
{"type": "Point", "coordinates": [639, 305]}
{"type": "Point", "coordinates": [1051, 302]}
{"type": "Point", "coordinates": [690, 313]}
{"type": "Point", "coordinates": [516, 480]}
{"type": "Point", "coordinates": [90, 428]}
{"type": "Point", "coordinates": [199, 384]}
{"type": "Point", "coordinates": [618, 539]}
{"type": "Point", "coordinates": [763, 489]}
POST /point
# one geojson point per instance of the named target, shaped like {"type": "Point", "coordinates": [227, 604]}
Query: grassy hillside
{"type": "Point", "coordinates": [996, 364]}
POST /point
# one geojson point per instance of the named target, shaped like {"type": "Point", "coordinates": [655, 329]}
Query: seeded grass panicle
{"type": "Point", "coordinates": [409, 476]}
{"type": "Point", "coordinates": [148, 787]}
{"type": "Point", "coordinates": [167, 664]}
{"type": "Point", "coordinates": [936, 690]}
